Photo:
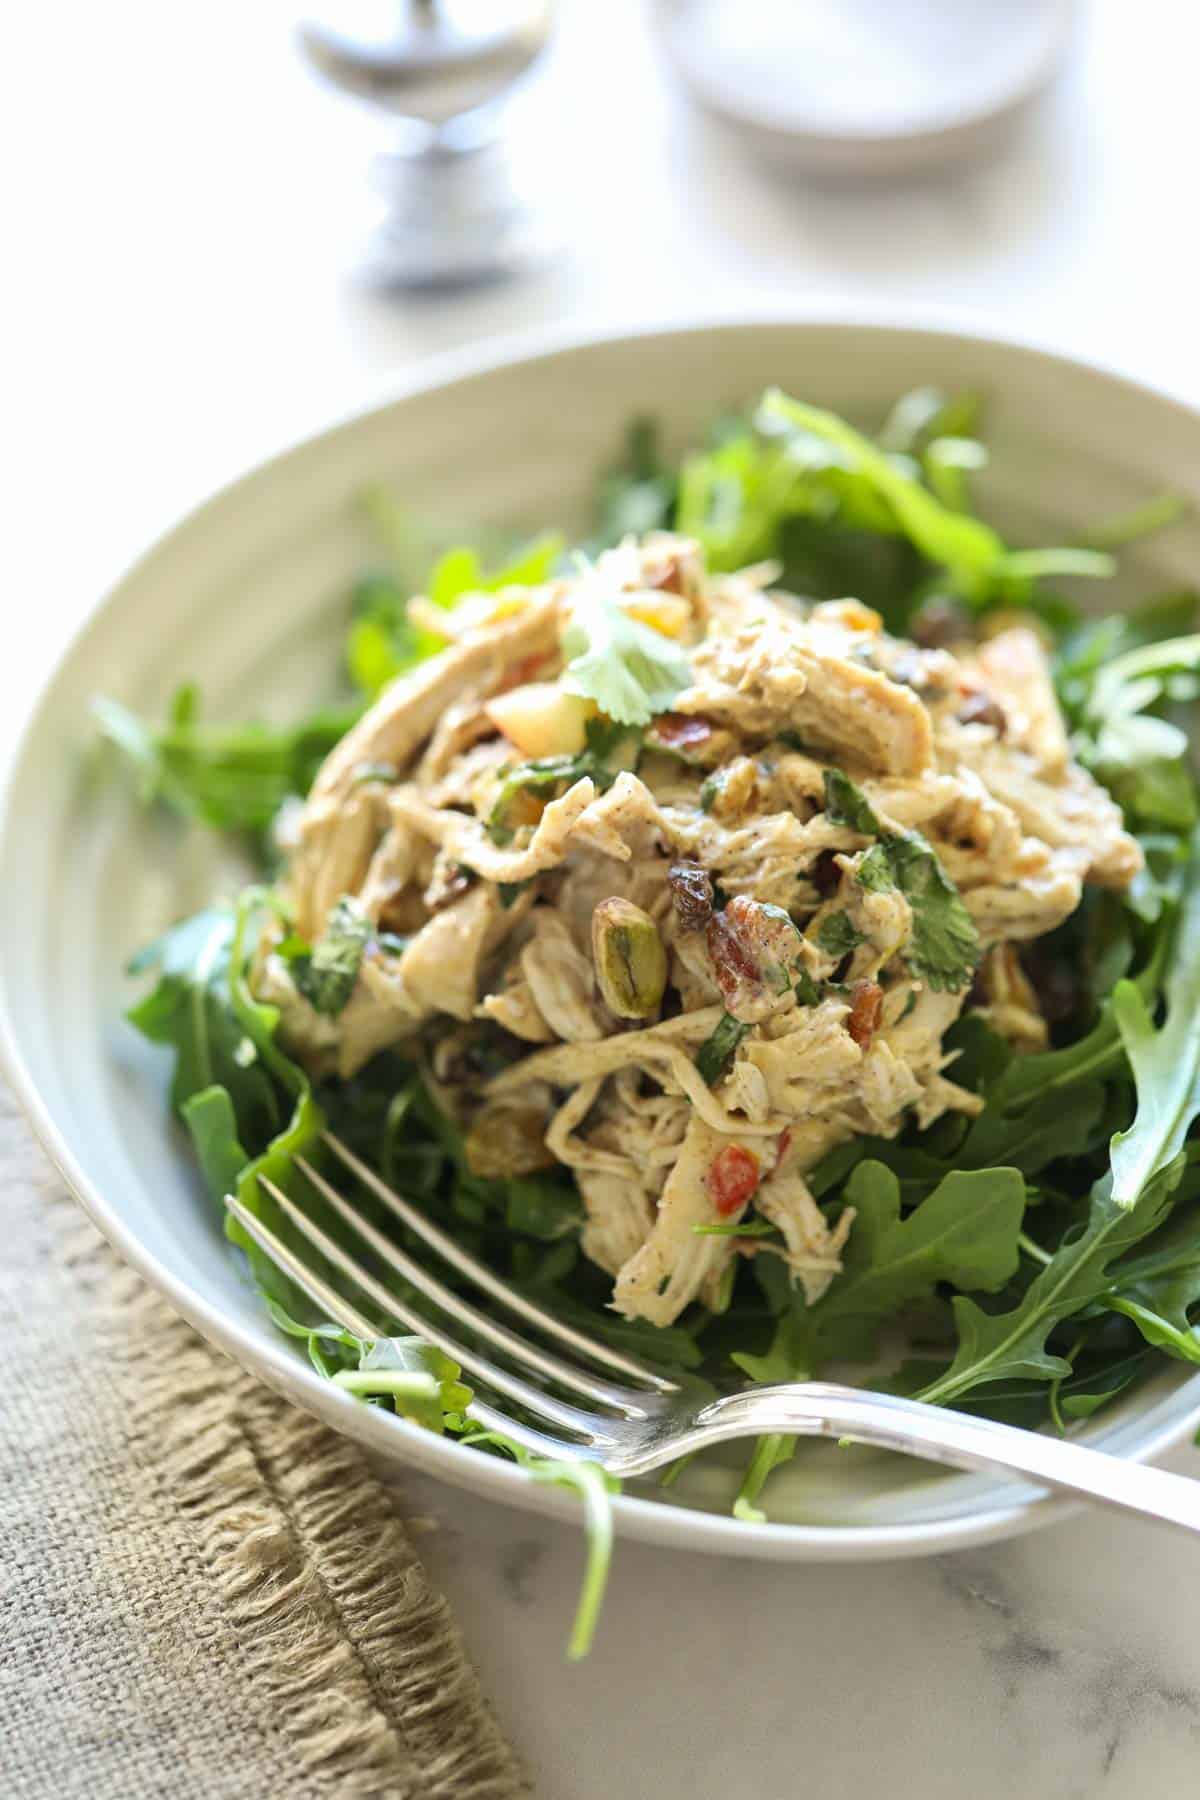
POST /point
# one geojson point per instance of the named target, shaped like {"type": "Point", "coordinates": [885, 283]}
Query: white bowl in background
{"type": "Point", "coordinates": [246, 596]}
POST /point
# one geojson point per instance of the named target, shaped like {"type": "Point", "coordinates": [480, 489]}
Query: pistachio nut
{"type": "Point", "coordinates": [631, 963]}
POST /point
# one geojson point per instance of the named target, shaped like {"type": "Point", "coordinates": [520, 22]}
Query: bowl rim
{"type": "Point", "coordinates": [654, 1521]}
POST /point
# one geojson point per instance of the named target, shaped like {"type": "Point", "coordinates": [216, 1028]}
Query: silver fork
{"type": "Point", "coordinates": [636, 1419]}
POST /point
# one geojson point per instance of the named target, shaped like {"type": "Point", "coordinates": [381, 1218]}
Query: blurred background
{"type": "Point", "coordinates": [192, 203]}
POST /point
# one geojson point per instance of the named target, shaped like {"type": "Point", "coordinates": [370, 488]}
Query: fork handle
{"type": "Point", "coordinates": [890, 1422]}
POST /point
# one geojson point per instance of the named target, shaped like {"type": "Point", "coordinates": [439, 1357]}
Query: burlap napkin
{"type": "Point", "coordinates": [202, 1591]}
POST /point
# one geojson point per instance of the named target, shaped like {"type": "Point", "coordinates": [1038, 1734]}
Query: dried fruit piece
{"type": "Point", "coordinates": [507, 1140]}
{"type": "Point", "coordinates": [631, 963]}
{"type": "Point", "coordinates": [866, 1010]}
{"type": "Point", "coordinates": [979, 708]}
{"type": "Point", "coordinates": [755, 949]}
{"type": "Point", "coordinates": [691, 894]}
{"type": "Point", "coordinates": [691, 738]}
{"type": "Point", "coordinates": [941, 623]}
{"type": "Point", "coordinates": [732, 1179]}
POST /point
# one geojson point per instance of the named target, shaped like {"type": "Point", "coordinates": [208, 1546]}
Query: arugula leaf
{"type": "Point", "coordinates": [382, 641]}
{"type": "Point", "coordinates": [326, 978]}
{"type": "Point", "coordinates": [1138, 522]}
{"type": "Point", "coordinates": [944, 947]}
{"type": "Point", "coordinates": [212, 1122]}
{"type": "Point", "coordinates": [631, 671]}
{"type": "Point", "coordinates": [595, 1490]}
{"type": "Point", "coordinates": [1090, 1385]}
{"type": "Point", "coordinates": [461, 572]}
{"type": "Point", "coordinates": [224, 1044]}
{"type": "Point", "coordinates": [191, 1011]}
{"type": "Point", "coordinates": [1165, 1061]}
{"type": "Point", "coordinates": [637, 495]}
{"type": "Point", "coordinates": [542, 1206]}
{"type": "Point", "coordinates": [975, 559]}
{"type": "Point", "coordinates": [970, 550]}
{"type": "Point", "coordinates": [232, 777]}
{"type": "Point", "coordinates": [995, 1346]}
{"type": "Point", "coordinates": [1118, 733]}
{"type": "Point", "coordinates": [421, 1381]}
{"type": "Point", "coordinates": [1051, 1126]}
{"type": "Point", "coordinates": [964, 1233]}
{"type": "Point", "coordinates": [1158, 1288]}
{"type": "Point", "coordinates": [926, 414]}
{"type": "Point", "coordinates": [719, 1046]}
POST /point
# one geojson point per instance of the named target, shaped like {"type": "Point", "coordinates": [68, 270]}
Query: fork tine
{"type": "Point", "coordinates": [535, 1400]}
{"type": "Point", "coordinates": [318, 1291]}
{"type": "Point", "coordinates": [349, 1317]}
{"type": "Point", "coordinates": [557, 1449]}
{"type": "Point", "coordinates": [475, 1271]}
{"type": "Point", "coordinates": [523, 1353]}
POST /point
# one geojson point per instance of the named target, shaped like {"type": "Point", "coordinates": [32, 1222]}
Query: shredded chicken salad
{"type": "Point", "coordinates": [767, 933]}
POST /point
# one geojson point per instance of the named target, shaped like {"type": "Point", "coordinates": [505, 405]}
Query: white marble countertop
{"type": "Point", "coordinates": [181, 227]}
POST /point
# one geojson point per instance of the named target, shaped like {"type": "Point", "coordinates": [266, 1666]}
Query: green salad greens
{"type": "Point", "coordinates": [1032, 1262]}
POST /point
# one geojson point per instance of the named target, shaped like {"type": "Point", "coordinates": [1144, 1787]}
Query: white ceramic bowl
{"type": "Point", "coordinates": [246, 597]}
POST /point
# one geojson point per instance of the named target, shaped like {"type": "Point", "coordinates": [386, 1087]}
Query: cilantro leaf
{"type": "Point", "coordinates": [846, 804]}
{"type": "Point", "coordinates": [944, 947]}
{"type": "Point", "coordinates": [604, 740]}
{"type": "Point", "coordinates": [326, 978]}
{"type": "Point", "coordinates": [838, 935]}
{"type": "Point", "coordinates": [717, 1048]}
{"type": "Point", "coordinates": [629, 670]}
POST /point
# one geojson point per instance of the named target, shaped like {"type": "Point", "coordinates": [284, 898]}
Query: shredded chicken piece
{"type": "Point", "coordinates": [479, 888]}
{"type": "Point", "coordinates": [669, 1269]}
{"type": "Point", "coordinates": [1010, 1002]}
{"type": "Point", "coordinates": [772, 672]}
{"type": "Point", "coordinates": [813, 1247]}
{"type": "Point", "coordinates": [1015, 670]}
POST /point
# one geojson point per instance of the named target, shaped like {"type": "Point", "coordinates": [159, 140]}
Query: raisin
{"type": "Point", "coordinates": [940, 623]}
{"type": "Point", "coordinates": [980, 709]}
{"type": "Point", "coordinates": [692, 893]}
{"type": "Point", "coordinates": [866, 1010]}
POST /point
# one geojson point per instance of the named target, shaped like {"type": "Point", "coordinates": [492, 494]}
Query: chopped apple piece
{"type": "Point", "coordinates": [542, 719]}
{"type": "Point", "coordinates": [665, 613]}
